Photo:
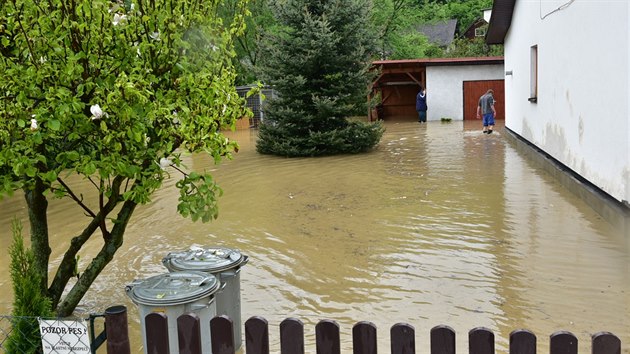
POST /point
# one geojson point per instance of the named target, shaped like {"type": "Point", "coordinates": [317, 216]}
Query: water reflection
{"type": "Point", "coordinates": [439, 225]}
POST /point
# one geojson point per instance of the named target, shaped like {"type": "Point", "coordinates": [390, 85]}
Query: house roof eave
{"type": "Point", "coordinates": [500, 21]}
{"type": "Point", "coordinates": [440, 61]}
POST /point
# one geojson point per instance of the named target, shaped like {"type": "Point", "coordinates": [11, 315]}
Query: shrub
{"type": "Point", "coordinates": [29, 300]}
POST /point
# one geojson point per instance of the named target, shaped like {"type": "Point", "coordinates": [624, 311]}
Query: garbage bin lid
{"type": "Point", "coordinates": [174, 288]}
{"type": "Point", "coordinates": [213, 260]}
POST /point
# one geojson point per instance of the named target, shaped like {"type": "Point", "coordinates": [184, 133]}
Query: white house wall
{"type": "Point", "coordinates": [445, 88]}
{"type": "Point", "coordinates": [581, 117]}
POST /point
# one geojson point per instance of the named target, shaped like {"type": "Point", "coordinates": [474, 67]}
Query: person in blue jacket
{"type": "Point", "coordinates": [421, 105]}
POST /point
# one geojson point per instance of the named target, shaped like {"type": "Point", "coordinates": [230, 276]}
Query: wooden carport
{"type": "Point", "coordinates": [398, 81]}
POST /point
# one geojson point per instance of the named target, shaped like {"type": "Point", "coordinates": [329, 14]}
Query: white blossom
{"type": "Point", "coordinates": [155, 35]}
{"type": "Point", "coordinates": [119, 19]}
{"type": "Point", "coordinates": [33, 123]}
{"type": "Point", "coordinates": [114, 8]}
{"type": "Point", "coordinates": [97, 112]}
{"type": "Point", "coordinates": [132, 6]}
{"type": "Point", "coordinates": [42, 60]}
{"type": "Point", "coordinates": [137, 46]}
{"type": "Point", "coordinates": [164, 163]}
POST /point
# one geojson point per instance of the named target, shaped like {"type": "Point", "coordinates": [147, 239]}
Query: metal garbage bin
{"type": "Point", "coordinates": [226, 264]}
{"type": "Point", "coordinates": [175, 294]}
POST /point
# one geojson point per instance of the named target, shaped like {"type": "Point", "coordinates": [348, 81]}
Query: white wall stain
{"type": "Point", "coordinates": [580, 128]}
{"type": "Point", "coordinates": [582, 113]}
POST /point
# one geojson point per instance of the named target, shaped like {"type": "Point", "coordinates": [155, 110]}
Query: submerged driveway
{"type": "Point", "coordinates": [441, 224]}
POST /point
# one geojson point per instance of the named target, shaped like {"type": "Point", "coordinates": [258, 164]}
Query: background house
{"type": "Point", "coordinates": [453, 85]}
{"type": "Point", "coordinates": [440, 33]}
{"type": "Point", "coordinates": [479, 27]}
{"type": "Point", "coordinates": [567, 84]}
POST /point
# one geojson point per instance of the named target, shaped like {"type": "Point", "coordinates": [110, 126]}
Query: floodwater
{"type": "Point", "coordinates": [439, 225]}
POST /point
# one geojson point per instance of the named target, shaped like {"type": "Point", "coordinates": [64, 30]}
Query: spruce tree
{"type": "Point", "coordinates": [318, 64]}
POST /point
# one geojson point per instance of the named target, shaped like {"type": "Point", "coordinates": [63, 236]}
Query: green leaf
{"type": "Point", "coordinates": [72, 155]}
{"type": "Point", "coordinates": [18, 168]}
{"type": "Point", "coordinates": [50, 176]}
{"type": "Point", "coordinates": [54, 124]}
{"type": "Point", "coordinates": [90, 168]}
{"type": "Point", "coordinates": [31, 171]}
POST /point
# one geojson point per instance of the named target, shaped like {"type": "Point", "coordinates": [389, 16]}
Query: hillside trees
{"type": "Point", "coordinates": [477, 47]}
{"type": "Point", "coordinates": [113, 92]}
{"type": "Point", "coordinates": [464, 11]}
{"type": "Point", "coordinates": [394, 27]}
{"type": "Point", "coordinates": [396, 22]}
{"type": "Point", "coordinates": [247, 48]}
{"type": "Point", "coordinates": [318, 63]}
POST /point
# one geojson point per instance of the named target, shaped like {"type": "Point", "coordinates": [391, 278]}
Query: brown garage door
{"type": "Point", "coordinates": [474, 89]}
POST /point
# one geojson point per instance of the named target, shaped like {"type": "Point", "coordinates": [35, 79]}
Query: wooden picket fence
{"type": "Point", "coordinates": [364, 341]}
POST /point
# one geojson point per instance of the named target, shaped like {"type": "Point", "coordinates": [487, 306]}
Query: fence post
{"type": "Point", "coordinates": [364, 338]}
{"type": "Point", "coordinates": [605, 343]}
{"type": "Point", "coordinates": [327, 337]}
{"type": "Point", "coordinates": [116, 328]}
{"type": "Point", "coordinates": [189, 333]}
{"type": "Point", "coordinates": [403, 339]}
{"type": "Point", "coordinates": [256, 336]}
{"type": "Point", "coordinates": [291, 336]}
{"type": "Point", "coordinates": [156, 328]}
{"type": "Point", "coordinates": [522, 341]}
{"type": "Point", "coordinates": [442, 340]}
{"type": "Point", "coordinates": [562, 342]}
{"type": "Point", "coordinates": [222, 335]}
{"type": "Point", "coordinates": [480, 341]}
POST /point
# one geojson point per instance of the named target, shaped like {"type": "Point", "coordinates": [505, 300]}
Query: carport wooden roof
{"type": "Point", "coordinates": [408, 67]}
{"type": "Point", "coordinates": [437, 62]}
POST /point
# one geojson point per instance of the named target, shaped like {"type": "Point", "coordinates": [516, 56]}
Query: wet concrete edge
{"type": "Point", "coordinates": [612, 210]}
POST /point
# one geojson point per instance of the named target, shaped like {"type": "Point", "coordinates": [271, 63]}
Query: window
{"type": "Point", "coordinates": [533, 75]}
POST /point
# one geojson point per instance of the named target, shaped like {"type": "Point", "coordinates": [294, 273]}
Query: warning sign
{"type": "Point", "coordinates": [64, 337]}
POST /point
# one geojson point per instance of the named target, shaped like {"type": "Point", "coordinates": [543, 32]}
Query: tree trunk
{"type": "Point", "coordinates": [105, 255]}
{"type": "Point", "coordinates": [37, 209]}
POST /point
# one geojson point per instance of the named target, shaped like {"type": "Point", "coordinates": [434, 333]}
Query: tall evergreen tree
{"type": "Point", "coordinates": [318, 63]}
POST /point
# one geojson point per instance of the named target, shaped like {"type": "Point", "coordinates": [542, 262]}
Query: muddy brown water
{"type": "Point", "coordinates": [439, 225]}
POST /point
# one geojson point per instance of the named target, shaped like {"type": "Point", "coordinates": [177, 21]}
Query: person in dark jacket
{"type": "Point", "coordinates": [421, 105]}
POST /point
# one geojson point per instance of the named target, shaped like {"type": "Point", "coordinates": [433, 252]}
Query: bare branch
{"type": "Point", "coordinates": [66, 267]}
{"type": "Point", "coordinates": [75, 198]}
